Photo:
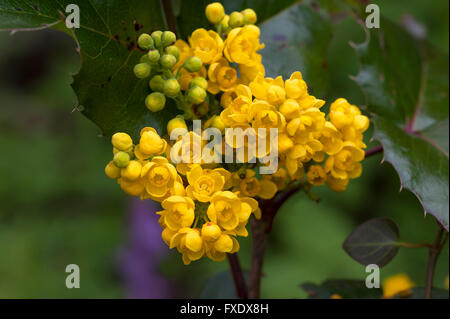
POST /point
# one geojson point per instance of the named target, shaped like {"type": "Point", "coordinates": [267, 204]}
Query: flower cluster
{"type": "Point", "coordinates": [217, 76]}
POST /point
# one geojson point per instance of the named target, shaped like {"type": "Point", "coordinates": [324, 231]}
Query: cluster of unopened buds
{"type": "Point", "coordinates": [218, 77]}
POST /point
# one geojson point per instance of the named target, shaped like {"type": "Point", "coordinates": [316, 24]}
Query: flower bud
{"type": "Point", "coordinates": [122, 142]}
{"type": "Point", "coordinates": [145, 41]}
{"type": "Point", "coordinates": [196, 95]}
{"type": "Point", "coordinates": [173, 50]}
{"type": "Point", "coordinates": [201, 109]}
{"type": "Point", "coordinates": [132, 171]}
{"type": "Point", "coordinates": [188, 113]}
{"type": "Point", "coordinates": [176, 122]}
{"type": "Point", "coordinates": [157, 83]}
{"type": "Point", "coordinates": [224, 244]}
{"type": "Point", "coordinates": [217, 122]}
{"type": "Point", "coordinates": [171, 87]}
{"type": "Point", "coordinates": [142, 70]}
{"type": "Point", "coordinates": [249, 16]}
{"type": "Point", "coordinates": [193, 64]}
{"type": "Point", "coordinates": [156, 36]}
{"type": "Point", "coordinates": [168, 61]}
{"type": "Point", "coordinates": [210, 232]}
{"type": "Point", "coordinates": [112, 171]}
{"type": "Point", "coordinates": [144, 59]}
{"type": "Point", "coordinates": [224, 23]}
{"type": "Point", "coordinates": [153, 56]}
{"type": "Point", "coordinates": [236, 19]}
{"type": "Point", "coordinates": [121, 159]}
{"type": "Point", "coordinates": [155, 101]}
{"type": "Point", "coordinates": [199, 81]}
{"type": "Point", "coordinates": [214, 12]}
{"type": "Point", "coordinates": [168, 38]}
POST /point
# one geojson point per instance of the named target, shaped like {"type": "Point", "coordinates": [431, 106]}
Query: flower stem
{"type": "Point", "coordinates": [435, 251]}
{"type": "Point", "coordinates": [238, 276]}
{"type": "Point", "coordinates": [260, 232]}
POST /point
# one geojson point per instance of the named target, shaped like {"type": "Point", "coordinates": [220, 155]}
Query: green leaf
{"type": "Point", "coordinates": [346, 288]}
{"type": "Point", "coordinates": [373, 242]}
{"type": "Point", "coordinates": [422, 168]}
{"type": "Point", "coordinates": [297, 40]}
{"type": "Point", "coordinates": [406, 88]}
{"type": "Point", "coordinates": [419, 293]}
{"type": "Point", "coordinates": [108, 92]}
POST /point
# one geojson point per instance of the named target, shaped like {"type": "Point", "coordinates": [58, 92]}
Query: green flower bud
{"type": "Point", "coordinates": [196, 95]}
{"type": "Point", "coordinates": [173, 50]}
{"type": "Point", "coordinates": [153, 56]}
{"type": "Point", "coordinates": [171, 87]}
{"type": "Point", "coordinates": [224, 23]}
{"type": "Point", "coordinates": [155, 101]}
{"type": "Point", "coordinates": [201, 109]}
{"type": "Point", "coordinates": [144, 59]}
{"type": "Point", "coordinates": [236, 19]}
{"type": "Point", "coordinates": [249, 16]}
{"type": "Point", "coordinates": [168, 38]}
{"type": "Point", "coordinates": [142, 70]}
{"type": "Point", "coordinates": [157, 83]}
{"type": "Point", "coordinates": [199, 81]}
{"type": "Point", "coordinates": [156, 35]}
{"type": "Point", "coordinates": [193, 64]}
{"type": "Point", "coordinates": [168, 61]}
{"type": "Point", "coordinates": [121, 159]}
{"type": "Point", "coordinates": [188, 114]}
{"type": "Point", "coordinates": [145, 41]}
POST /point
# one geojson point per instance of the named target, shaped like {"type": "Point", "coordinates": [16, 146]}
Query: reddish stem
{"type": "Point", "coordinates": [238, 276]}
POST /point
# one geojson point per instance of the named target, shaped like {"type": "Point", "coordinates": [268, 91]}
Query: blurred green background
{"type": "Point", "coordinates": [57, 207]}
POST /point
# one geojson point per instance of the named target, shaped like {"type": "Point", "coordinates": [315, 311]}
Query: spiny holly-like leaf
{"type": "Point", "coordinates": [345, 288]}
{"type": "Point", "coordinates": [407, 92]}
{"type": "Point", "coordinates": [108, 92]}
{"type": "Point", "coordinates": [297, 40]}
{"type": "Point", "coordinates": [373, 242]}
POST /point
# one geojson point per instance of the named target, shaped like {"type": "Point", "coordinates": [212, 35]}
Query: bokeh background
{"type": "Point", "coordinates": [57, 207]}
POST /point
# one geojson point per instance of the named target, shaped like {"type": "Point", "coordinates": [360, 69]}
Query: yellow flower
{"type": "Point", "coordinates": [207, 45]}
{"type": "Point", "coordinates": [221, 77]}
{"type": "Point", "coordinates": [112, 171]}
{"type": "Point", "coordinates": [242, 44]}
{"type": "Point", "coordinates": [396, 284]}
{"type": "Point", "coordinates": [122, 142]}
{"type": "Point", "coordinates": [218, 249]}
{"type": "Point", "coordinates": [186, 77]}
{"type": "Point", "coordinates": [268, 89]}
{"type": "Point", "coordinates": [236, 114]}
{"type": "Point", "coordinates": [280, 178]}
{"type": "Point", "coordinates": [203, 184]}
{"type": "Point", "coordinates": [337, 184]}
{"type": "Point", "coordinates": [214, 12]}
{"type": "Point", "coordinates": [343, 113]}
{"type": "Point", "coordinates": [132, 172]}
{"type": "Point", "coordinates": [210, 232]}
{"type": "Point", "coordinates": [248, 73]}
{"type": "Point", "coordinates": [330, 138]}
{"type": "Point", "coordinates": [132, 188]}
{"type": "Point", "coordinates": [250, 186]}
{"type": "Point", "coordinates": [188, 148]}
{"type": "Point", "coordinates": [178, 212]}
{"type": "Point", "coordinates": [301, 153]}
{"type": "Point", "coordinates": [345, 164]}
{"type": "Point", "coordinates": [316, 175]}
{"type": "Point", "coordinates": [150, 144]}
{"type": "Point", "coordinates": [295, 87]}
{"type": "Point", "coordinates": [226, 210]}
{"type": "Point", "coordinates": [189, 243]}
{"type": "Point", "coordinates": [161, 179]}
{"type": "Point", "coordinates": [265, 115]}
{"type": "Point", "coordinates": [310, 121]}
